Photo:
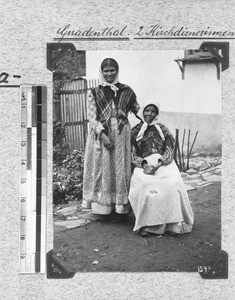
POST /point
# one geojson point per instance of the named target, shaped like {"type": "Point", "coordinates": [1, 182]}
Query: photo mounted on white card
{"type": "Point", "coordinates": [87, 212]}
{"type": "Point", "coordinates": [185, 85]}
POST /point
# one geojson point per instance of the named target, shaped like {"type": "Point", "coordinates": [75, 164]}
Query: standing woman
{"type": "Point", "coordinates": [157, 194]}
{"type": "Point", "coordinates": [107, 165]}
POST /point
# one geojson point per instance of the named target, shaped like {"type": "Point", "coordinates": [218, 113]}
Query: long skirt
{"type": "Point", "coordinates": [160, 202]}
{"type": "Point", "coordinates": [107, 173]}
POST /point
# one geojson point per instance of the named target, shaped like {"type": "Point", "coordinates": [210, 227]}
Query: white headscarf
{"type": "Point", "coordinates": [155, 121]}
{"type": "Point", "coordinates": [112, 85]}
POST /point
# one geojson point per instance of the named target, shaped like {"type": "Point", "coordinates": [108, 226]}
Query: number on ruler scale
{"type": "Point", "coordinates": [23, 144]}
{"type": "Point", "coordinates": [23, 181]}
{"type": "Point", "coordinates": [23, 162]}
{"type": "Point", "coordinates": [23, 125]}
{"type": "Point", "coordinates": [23, 97]}
{"type": "Point", "coordinates": [23, 199]}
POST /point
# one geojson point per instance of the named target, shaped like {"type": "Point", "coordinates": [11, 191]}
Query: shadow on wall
{"type": "Point", "coordinates": [209, 138]}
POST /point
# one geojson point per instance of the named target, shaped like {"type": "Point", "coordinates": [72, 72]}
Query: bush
{"type": "Point", "coordinates": [68, 178]}
{"type": "Point", "coordinates": [60, 148]}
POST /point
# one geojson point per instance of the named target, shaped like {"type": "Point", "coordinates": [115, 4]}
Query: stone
{"type": "Point", "coordinates": [212, 178]}
{"type": "Point", "coordinates": [217, 172]}
{"type": "Point", "coordinates": [73, 218]}
{"type": "Point", "coordinates": [203, 183]}
{"type": "Point", "coordinates": [193, 181]}
{"type": "Point", "coordinates": [67, 211]}
{"type": "Point", "coordinates": [206, 184]}
{"type": "Point", "coordinates": [204, 162]}
{"type": "Point", "coordinates": [72, 223]}
{"type": "Point", "coordinates": [191, 171]}
{"type": "Point", "coordinates": [194, 176]}
{"type": "Point", "coordinates": [189, 187]}
{"type": "Point", "coordinates": [205, 173]}
{"type": "Point", "coordinates": [217, 167]}
{"type": "Point", "coordinates": [90, 216]}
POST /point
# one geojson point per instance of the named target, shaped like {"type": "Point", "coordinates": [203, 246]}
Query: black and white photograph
{"type": "Point", "coordinates": [117, 150]}
{"type": "Point", "coordinates": [137, 160]}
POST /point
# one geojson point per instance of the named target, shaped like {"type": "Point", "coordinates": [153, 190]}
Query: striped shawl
{"type": "Point", "coordinates": [124, 101]}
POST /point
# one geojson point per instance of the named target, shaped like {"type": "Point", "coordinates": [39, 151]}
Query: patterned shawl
{"type": "Point", "coordinates": [123, 101]}
{"type": "Point", "coordinates": [151, 138]}
{"type": "Point", "coordinates": [151, 141]}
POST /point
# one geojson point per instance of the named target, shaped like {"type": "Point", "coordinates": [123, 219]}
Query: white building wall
{"type": "Point", "coordinates": [201, 90]}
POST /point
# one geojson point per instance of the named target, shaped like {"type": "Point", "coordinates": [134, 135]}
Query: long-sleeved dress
{"type": "Point", "coordinates": [107, 173]}
{"type": "Point", "coordinates": [160, 202]}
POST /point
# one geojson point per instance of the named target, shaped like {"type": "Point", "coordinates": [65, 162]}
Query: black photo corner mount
{"type": "Point", "coordinates": [215, 52]}
{"type": "Point", "coordinates": [214, 47]}
{"type": "Point", "coordinates": [55, 270]}
{"type": "Point", "coordinates": [55, 51]}
{"type": "Point", "coordinates": [219, 270]}
{"type": "Point", "coordinates": [65, 61]}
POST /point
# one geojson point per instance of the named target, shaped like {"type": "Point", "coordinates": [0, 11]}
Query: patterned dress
{"type": "Point", "coordinates": [107, 173]}
{"type": "Point", "coordinates": [160, 201]}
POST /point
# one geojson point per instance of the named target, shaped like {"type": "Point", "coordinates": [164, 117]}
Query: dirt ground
{"type": "Point", "coordinates": [106, 246]}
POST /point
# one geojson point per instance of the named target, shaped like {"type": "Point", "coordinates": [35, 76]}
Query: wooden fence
{"type": "Point", "coordinates": [70, 107]}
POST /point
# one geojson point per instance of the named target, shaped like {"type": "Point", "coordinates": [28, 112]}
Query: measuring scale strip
{"type": "Point", "coordinates": [25, 190]}
{"type": "Point", "coordinates": [31, 172]}
{"type": "Point", "coordinates": [33, 179]}
{"type": "Point", "coordinates": [23, 182]}
{"type": "Point", "coordinates": [34, 174]}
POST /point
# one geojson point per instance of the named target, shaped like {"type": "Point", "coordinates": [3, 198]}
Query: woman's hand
{"type": "Point", "coordinates": [106, 141]}
{"type": "Point", "coordinates": [149, 170]}
{"type": "Point", "coordinates": [157, 166]}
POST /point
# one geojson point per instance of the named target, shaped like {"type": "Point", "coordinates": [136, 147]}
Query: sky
{"type": "Point", "coordinates": [154, 75]}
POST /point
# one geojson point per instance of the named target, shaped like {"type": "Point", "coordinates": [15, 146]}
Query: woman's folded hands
{"type": "Point", "coordinates": [149, 169]}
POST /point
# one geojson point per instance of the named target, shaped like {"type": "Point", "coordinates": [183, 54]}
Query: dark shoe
{"type": "Point", "coordinates": [174, 234]}
{"type": "Point", "coordinates": [106, 218]}
{"type": "Point", "coordinates": [143, 232]}
{"type": "Point", "coordinates": [122, 218]}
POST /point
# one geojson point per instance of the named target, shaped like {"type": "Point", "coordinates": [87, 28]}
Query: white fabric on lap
{"type": "Point", "coordinates": [160, 199]}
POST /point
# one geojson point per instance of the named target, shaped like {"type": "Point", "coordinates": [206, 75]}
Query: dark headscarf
{"type": "Point", "coordinates": [109, 62]}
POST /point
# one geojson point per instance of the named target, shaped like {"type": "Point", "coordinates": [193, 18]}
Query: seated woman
{"type": "Point", "coordinates": [157, 194]}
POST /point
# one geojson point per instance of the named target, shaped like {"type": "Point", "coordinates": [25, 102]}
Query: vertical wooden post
{"type": "Point", "coordinates": [182, 149]}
